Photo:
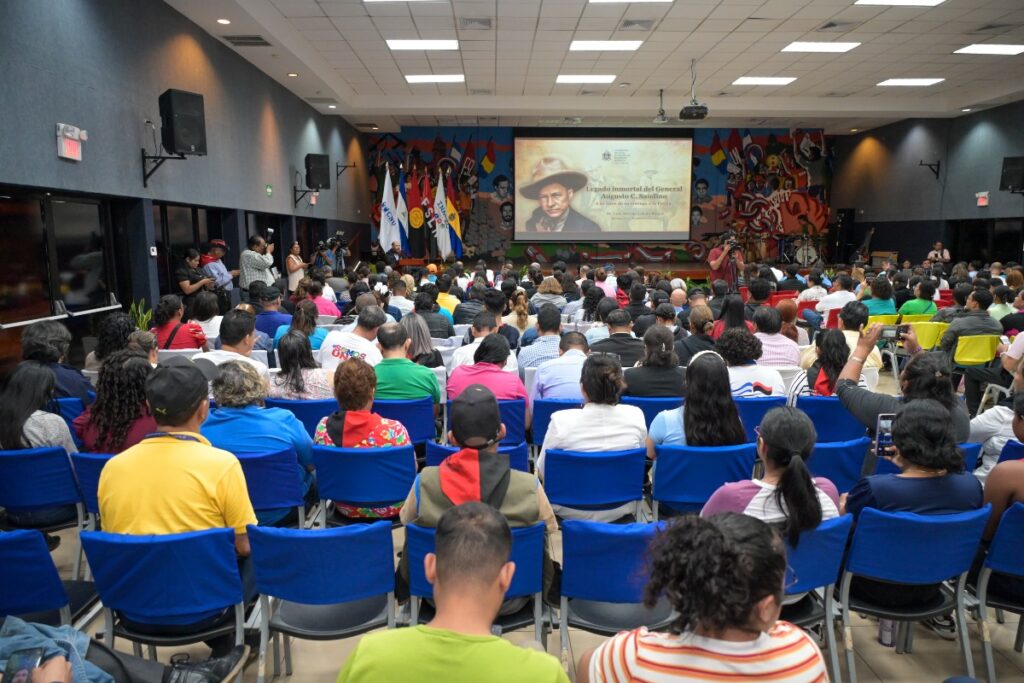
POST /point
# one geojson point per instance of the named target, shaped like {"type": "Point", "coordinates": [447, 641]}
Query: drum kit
{"type": "Point", "coordinates": [804, 250]}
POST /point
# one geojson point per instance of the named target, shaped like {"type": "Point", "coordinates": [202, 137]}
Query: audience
{"type": "Point", "coordinates": [519, 312]}
{"type": "Point", "coordinates": [658, 373]}
{"type": "Point", "coordinates": [340, 346]}
{"type": "Point", "coordinates": [559, 378]}
{"type": "Point", "coordinates": [315, 292]}
{"type": "Point", "coordinates": [398, 378]}
{"type": "Point", "coordinates": [112, 336]}
{"type": "Point", "coordinates": [545, 346]}
{"type": "Point", "coordinates": [465, 312]}
{"type": "Point", "coordinates": [484, 324]}
{"type": "Point", "coordinates": [701, 322]}
{"type": "Point", "coordinates": [993, 428]}
{"type": "Point", "coordinates": [48, 342]}
{"type": "Point", "coordinates": [491, 357]}
{"type": "Point", "coordinates": [880, 301]}
{"type": "Point", "coordinates": [740, 349]}
{"type": "Point", "coordinates": [732, 317]}
{"type": "Point", "coordinates": [206, 314]}
{"type": "Point", "coordinates": [788, 309]}
{"type": "Point", "coordinates": [776, 348]}
{"type": "Point", "coordinates": [599, 328]}
{"type": "Point", "coordinates": [271, 318]}
{"type": "Point", "coordinates": [444, 297]}
{"type": "Point", "coordinates": [759, 292]}
{"type": "Point", "coordinates": [171, 332]}
{"type": "Point", "coordinates": [588, 309]}
{"type": "Point", "coordinates": [144, 341]}
{"type": "Point", "coordinates": [853, 317]}
{"type": "Point", "coordinates": [922, 303]}
{"type": "Point", "coordinates": [820, 379]}
{"type": "Point", "coordinates": [439, 326]}
{"type": "Point", "coordinates": [421, 349]}
{"type": "Point", "coordinates": [549, 292]}
{"type": "Point", "coordinates": [620, 340]}
{"type": "Point", "coordinates": [301, 378]}
{"type": "Point", "coordinates": [399, 297]}
{"type": "Point", "coordinates": [305, 321]}
{"type": "Point", "coordinates": [841, 294]}
{"type": "Point", "coordinates": [237, 339]}
{"type": "Point", "coordinates": [974, 320]}
{"type": "Point", "coordinates": [120, 416]}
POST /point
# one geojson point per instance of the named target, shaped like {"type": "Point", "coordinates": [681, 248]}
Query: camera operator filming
{"type": "Point", "coordinates": [332, 253]}
{"type": "Point", "coordinates": [726, 260]}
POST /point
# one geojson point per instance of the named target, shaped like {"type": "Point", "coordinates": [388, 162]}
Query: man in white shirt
{"type": "Point", "coordinates": [399, 299]}
{"type": "Point", "coordinates": [484, 323]}
{"type": "Point", "coordinates": [993, 428]}
{"type": "Point", "coordinates": [255, 264]}
{"type": "Point", "coordinates": [237, 338]}
{"type": "Point", "coordinates": [814, 291]}
{"type": "Point", "coordinates": [361, 342]}
{"type": "Point", "coordinates": [938, 254]}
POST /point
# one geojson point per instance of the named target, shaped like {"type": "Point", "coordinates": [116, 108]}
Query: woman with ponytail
{"type": "Point", "coordinates": [701, 321]}
{"type": "Point", "coordinates": [786, 495]}
{"type": "Point", "coordinates": [820, 379]}
{"type": "Point", "coordinates": [659, 373]}
{"type": "Point", "coordinates": [724, 577]}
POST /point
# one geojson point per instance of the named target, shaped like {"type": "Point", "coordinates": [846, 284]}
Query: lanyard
{"type": "Point", "coordinates": [179, 437]}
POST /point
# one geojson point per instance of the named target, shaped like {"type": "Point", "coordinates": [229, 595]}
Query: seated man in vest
{"type": "Point", "coordinates": [174, 481]}
{"type": "Point", "coordinates": [479, 473]}
{"type": "Point", "coordinates": [470, 572]}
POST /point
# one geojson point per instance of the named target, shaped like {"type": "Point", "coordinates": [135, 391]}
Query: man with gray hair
{"type": "Point", "coordinates": [361, 342]}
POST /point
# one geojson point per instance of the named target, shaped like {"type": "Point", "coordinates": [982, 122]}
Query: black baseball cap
{"type": "Point", "coordinates": [696, 291]}
{"type": "Point", "coordinates": [270, 293]}
{"type": "Point", "coordinates": [175, 389]}
{"type": "Point", "coordinates": [474, 417]}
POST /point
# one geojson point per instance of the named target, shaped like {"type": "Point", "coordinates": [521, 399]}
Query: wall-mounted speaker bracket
{"type": "Point", "coordinates": [158, 161]}
{"type": "Point", "coordinates": [339, 169]}
{"type": "Point", "coordinates": [934, 168]}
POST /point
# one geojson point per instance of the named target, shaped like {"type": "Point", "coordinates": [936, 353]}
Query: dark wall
{"type": "Point", "coordinates": [102, 65]}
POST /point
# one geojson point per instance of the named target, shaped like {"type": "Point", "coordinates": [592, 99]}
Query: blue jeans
{"type": "Point", "coordinates": [46, 517]}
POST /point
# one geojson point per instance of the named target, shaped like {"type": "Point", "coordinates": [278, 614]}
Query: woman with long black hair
{"type": "Point", "coordinates": [820, 379]}
{"type": "Point", "coordinates": [171, 331]}
{"type": "Point", "coordinates": [120, 417]}
{"type": "Point", "coordinates": [588, 312]}
{"type": "Point", "coordinates": [191, 280]}
{"type": "Point", "coordinates": [732, 316]}
{"type": "Point", "coordinates": [301, 377]}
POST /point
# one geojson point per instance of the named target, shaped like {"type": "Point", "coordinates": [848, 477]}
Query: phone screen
{"type": "Point", "coordinates": [20, 665]}
{"type": "Point", "coordinates": [883, 434]}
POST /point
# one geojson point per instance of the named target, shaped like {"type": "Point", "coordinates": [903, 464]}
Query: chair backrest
{"type": "Point", "coordinates": [29, 578]}
{"type": "Point", "coordinates": [513, 416]}
{"type": "Point", "coordinates": [518, 455]}
{"type": "Point", "coordinates": [338, 565]}
{"type": "Point", "coordinates": [840, 462]}
{"type": "Point", "coordinates": [88, 467]}
{"type": "Point", "coordinates": [416, 415]}
{"type": "Point", "coordinates": [274, 480]}
{"type": "Point", "coordinates": [605, 562]}
{"type": "Point", "coordinates": [530, 379]}
{"type": "Point", "coordinates": [832, 322]}
{"type": "Point", "coordinates": [599, 479]}
{"type": "Point", "coordinates": [782, 296]}
{"type": "Point", "coordinates": [37, 478]}
{"type": "Point", "coordinates": [831, 419]}
{"type": "Point", "coordinates": [802, 306]}
{"type": "Point", "coordinates": [1012, 450]}
{"type": "Point", "coordinates": [309, 412]}
{"type": "Point", "coordinates": [970, 451]}
{"type": "Point", "coordinates": [753, 410]}
{"type": "Point", "coordinates": [461, 329]}
{"type": "Point", "coordinates": [326, 319]}
{"type": "Point", "coordinates": [151, 579]}
{"type": "Point", "coordinates": [744, 294]}
{"type": "Point", "coordinates": [527, 553]}
{"type": "Point", "coordinates": [882, 320]}
{"type": "Point", "coordinates": [442, 379]}
{"type": "Point", "coordinates": [543, 409]}
{"type": "Point", "coordinates": [164, 354]}
{"type": "Point", "coordinates": [92, 375]}
{"type": "Point", "coordinates": [870, 376]}
{"type": "Point", "coordinates": [364, 475]}
{"type": "Point", "coordinates": [652, 406]}
{"type": "Point", "coordinates": [903, 547]}
{"type": "Point", "coordinates": [686, 476]}
{"type": "Point", "coordinates": [789, 374]}
{"type": "Point", "coordinates": [69, 408]}
{"type": "Point", "coordinates": [916, 318]}
{"type": "Point", "coordinates": [816, 560]}
{"type": "Point", "coordinates": [261, 355]}
{"type": "Point", "coordinates": [1004, 553]}
{"type": "Point", "coordinates": [928, 333]}
{"type": "Point", "coordinates": [975, 349]}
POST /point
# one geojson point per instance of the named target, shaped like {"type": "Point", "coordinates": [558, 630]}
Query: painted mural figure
{"type": "Point", "coordinates": [553, 185]}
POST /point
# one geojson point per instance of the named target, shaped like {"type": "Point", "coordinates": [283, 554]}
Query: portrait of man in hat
{"type": "Point", "coordinates": [553, 186]}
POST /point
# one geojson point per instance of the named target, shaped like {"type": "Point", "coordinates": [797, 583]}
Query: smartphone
{"type": "Point", "coordinates": [894, 332]}
{"type": "Point", "coordinates": [883, 434]}
{"type": "Point", "coordinates": [20, 665]}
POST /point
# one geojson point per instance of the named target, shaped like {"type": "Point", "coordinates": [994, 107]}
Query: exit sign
{"type": "Point", "coordinates": [270, 190]}
{"type": "Point", "coordinates": [69, 141]}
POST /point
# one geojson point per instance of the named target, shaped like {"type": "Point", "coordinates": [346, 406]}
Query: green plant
{"type": "Point", "coordinates": [140, 315]}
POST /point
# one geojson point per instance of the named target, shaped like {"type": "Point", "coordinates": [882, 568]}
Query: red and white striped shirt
{"type": "Point", "coordinates": [783, 655]}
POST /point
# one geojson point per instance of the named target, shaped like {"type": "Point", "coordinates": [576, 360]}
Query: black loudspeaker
{"type": "Point", "coordinates": [318, 172]}
{"type": "Point", "coordinates": [1012, 179]}
{"type": "Point", "coordinates": [183, 124]}
{"type": "Point", "coordinates": [842, 234]}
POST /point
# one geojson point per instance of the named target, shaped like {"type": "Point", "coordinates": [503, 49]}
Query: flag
{"type": "Point", "coordinates": [469, 159]}
{"type": "Point", "coordinates": [389, 229]}
{"type": "Point", "coordinates": [441, 233]}
{"type": "Point", "coordinates": [490, 158]}
{"type": "Point", "coordinates": [456, 152]}
{"type": "Point", "coordinates": [735, 142]}
{"type": "Point", "coordinates": [417, 218]}
{"type": "Point", "coordinates": [748, 139]}
{"type": "Point", "coordinates": [453, 220]}
{"type": "Point", "coordinates": [717, 153]}
{"type": "Point", "coordinates": [402, 213]}
{"type": "Point", "coordinates": [378, 173]}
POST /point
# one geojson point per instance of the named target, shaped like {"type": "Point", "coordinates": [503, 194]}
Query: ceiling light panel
{"type": "Point", "coordinates": [803, 46]}
{"type": "Point", "coordinates": [764, 80]}
{"type": "Point", "coordinates": [436, 78]}
{"type": "Point", "coordinates": [585, 78]}
{"type": "Point", "coordinates": [990, 49]}
{"type": "Point", "coordinates": [423, 44]}
{"type": "Point", "coordinates": [901, 3]}
{"type": "Point", "coordinates": [605, 45]}
{"type": "Point", "coordinates": [911, 82]}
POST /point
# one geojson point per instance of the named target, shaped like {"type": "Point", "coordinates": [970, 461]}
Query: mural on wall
{"type": "Point", "coordinates": [770, 185]}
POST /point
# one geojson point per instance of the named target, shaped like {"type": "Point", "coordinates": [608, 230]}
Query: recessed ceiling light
{"type": "Point", "coordinates": [816, 46]}
{"type": "Point", "coordinates": [911, 81]}
{"type": "Point", "coordinates": [990, 49]}
{"type": "Point", "coordinates": [609, 45]}
{"type": "Point", "coordinates": [374, 127]}
{"type": "Point", "coordinates": [436, 78]}
{"type": "Point", "coordinates": [763, 80]}
{"type": "Point", "coordinates": [423, 44]}
{"type": "Point", "coordinates": [901, 3]}
{"type": "Point", "coordinates": [332, 106]}
{"type": "Point", "coordinates": [622, 2]}
{"type": "Point", "coordinates": [854, 130]}
{"type": "Point", "coordinates": [967, 109]}
{"type": "Point", "coordinates": [225, 22]}
{"type": "Point", "coordinates": [292, 74]}
{"type": "Point", "coordinates": [585, 78]}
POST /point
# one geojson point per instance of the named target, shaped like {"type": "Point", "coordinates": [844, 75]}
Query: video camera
{"type": "Point", "coordinates": [338, 240]}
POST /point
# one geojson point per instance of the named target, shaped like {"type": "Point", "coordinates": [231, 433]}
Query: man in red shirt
{"type": "Point", "coordinates": [726, 260]}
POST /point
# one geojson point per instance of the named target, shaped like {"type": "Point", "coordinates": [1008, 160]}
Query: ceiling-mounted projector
{"type": "Point", "coordinates": [660, 117]}
{"type": "Point", "coordinates": [694, 111]}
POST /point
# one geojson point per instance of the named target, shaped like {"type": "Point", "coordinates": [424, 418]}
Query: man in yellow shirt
{"type": "Point", "coordinates": [444, 299]}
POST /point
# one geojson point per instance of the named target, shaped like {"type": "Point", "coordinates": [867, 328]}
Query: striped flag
{"type": "Point", "coordinates": [717, 153]}
{"type": "Point", "coordinates": [402, 213]}
{"type": "Point", "coordinates": [441, 233]}
{"type": "Point", "coordinates": [490, 158]}
{"type": "Point", "coordinates": [389, 228]}
{"type": "Point", "coordinates": [453, 220]}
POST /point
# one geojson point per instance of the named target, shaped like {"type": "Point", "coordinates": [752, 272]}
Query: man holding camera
{"type": "Point", "coordinates": [256, 263]}
{"type": "Point", "coordinates": [726, 260]}
{"type": "Point", "coordinates": [332, 254]}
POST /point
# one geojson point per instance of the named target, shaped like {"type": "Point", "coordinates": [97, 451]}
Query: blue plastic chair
{"type": "Point", "coordinates": [69, 408]}
{"type": "Point", "coordinates": [513, 416]}
{"type": "Point", "coordinates": [684, 477]}
{"type": "Point", "coordinates": [39, 478]}
{"type": "Point", "coordinates": [753, 410]}
{"type": "Point", "coordinates": [88, 467]}
{"type": "Point", "coordinates": [172, 579]}
{"type": "Point", "coordinates": [543, 409]}
{"type": "Point", "coordinates": [604, 572]}
{"type": "Point", "coordinates": [416, 415]}
{"type": "Point", "coordinates": [831, 419]}
{"type": "Point", "coordinates": [841, 462]}
{"type": "Point", "coordinates": [652, 406]}
{"type": "Point", "coordinates": [815, 563]}
{"type": "Point", "coordinates": [32, 588]}
{"type": "Point", "coordinates": [327, 595]}
{"type": "Point", "coordinates": [971, 452]}
{"type": "Point", "coordinates": [274, 481]}
{"type": "Point", "coordinates": [363, 476]}
{"type": "Point", "coordinates": [1004, 557]}
{"type": "Point", "coordinates": [595, 481]}
{"type": "Point", "coordinates": [907, 548]}
{"type": "Point", "coordinates": [1013, 450]}
{"type": "Point", "coordinates": [519, 456]}
{"type": "Point", "coordinates": [528, 580]}
{"type": "Point", "coordinates": [309, 412]}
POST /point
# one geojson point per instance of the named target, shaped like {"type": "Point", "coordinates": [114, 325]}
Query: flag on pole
{"type": "Point", "coordinates": [734, 142]}
{"type": "Point", "coordinates": [452, 218]}
{"type": "Point", "coordinates": [441, 232]}
{"type": "Point", "coordinates": [390, 231]}
{"type": "Point", "coordinates": [469, 159]}
{"type": "Point", "coordinates": [748, 139]}
{"type": "Point", "coordinates": [417, 218]}
{"type": "Point", "coordinates": [490, 158]}
{"type": "Point", "coordinates": [717, 153]}
{"type": "Point", "coordinates": [402, 213]}
{"type": "Point", "coordinates": [456, 152]}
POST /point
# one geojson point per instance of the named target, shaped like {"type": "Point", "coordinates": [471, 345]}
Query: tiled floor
{"type": "Point", "coordinates": [933, 659]}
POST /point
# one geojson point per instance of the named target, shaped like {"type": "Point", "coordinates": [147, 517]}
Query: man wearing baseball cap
{"type": "Point", "coordinates": [212, 265]}
{"type": "Point", "coordinates": [553, 186]}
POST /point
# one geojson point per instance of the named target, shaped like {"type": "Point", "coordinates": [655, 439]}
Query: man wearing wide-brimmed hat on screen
{"type": "Point", "coordinates": [553, 185]}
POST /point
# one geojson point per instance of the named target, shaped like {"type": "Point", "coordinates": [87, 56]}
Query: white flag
{"type": "Point", "coordinates": [389, 230]}
{"type": "Point", "coordinates": [444, 240]}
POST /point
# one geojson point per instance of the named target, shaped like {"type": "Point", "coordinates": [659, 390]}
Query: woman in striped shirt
{"type": "Point", "coordinates": [725, 577]}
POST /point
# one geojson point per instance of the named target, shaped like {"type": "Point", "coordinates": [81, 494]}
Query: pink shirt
{"type": "Point", "coordinates": [607, 287]}
{"type": "Point", "coordinates": [325, 307]}
{"type": "Point", "coordinates": [506, 386]}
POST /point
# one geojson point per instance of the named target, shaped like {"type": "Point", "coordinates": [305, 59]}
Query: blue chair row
{"type": "Point", "coordinates": [366, 477]}
{"type": "Point", "coordinates": [1003, 557]}
{"type": "Point", "coordinates": [684, 477]}
{"type": "Point", "coordinates": [971, 453]}
{"type": "Point", "coordinates": [1013, 450]}
{"type": "Point", "coordinates": [417, 416]}
{"type": "Point", "coordinates": [519, 455]}
{"type": "Point", "coordinates": [831, 420]}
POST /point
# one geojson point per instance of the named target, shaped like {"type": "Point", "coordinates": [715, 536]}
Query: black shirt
{"type": "Point", "coordinates": [692, 345]}
{"type": "Point", "coordinates": [1014, 321]}
{"type": "Point", "coordinates": [902, 296]}
{"type": "Point", "coordinates": [637, 309]}
{"type": "Point", "coordinates": [192, 275]}
{"type": "Point", "coordinates": [791, 284]}
{"type": "Point", "coordinates": [655, 382]}
{"type": "Point", "coordinates": [433, 359]}
{"type": "Point", "coordinates": [440, 327]}
{"type": "Point", "coordinates": [466, 311]}
{"type": "Point", "coordinates": [629, 348]}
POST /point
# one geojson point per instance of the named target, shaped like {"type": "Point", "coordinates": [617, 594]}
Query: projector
{"type": "Point", "coordinates": [694, 112]}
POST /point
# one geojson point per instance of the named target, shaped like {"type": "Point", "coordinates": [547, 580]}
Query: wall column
{"type": "Point", "coordinates": [141, 231]}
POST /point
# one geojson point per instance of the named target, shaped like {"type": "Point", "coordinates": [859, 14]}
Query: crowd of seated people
{"type": "Point", "coordinates": [545, 336]}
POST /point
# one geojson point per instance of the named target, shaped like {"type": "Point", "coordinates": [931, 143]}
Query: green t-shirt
{"type": "Point", "coordinates": [432, 655]}
{"type": "Point", "coordinates": [917, 306]}
{"type": "Point", "coordinates": [399, 379]}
